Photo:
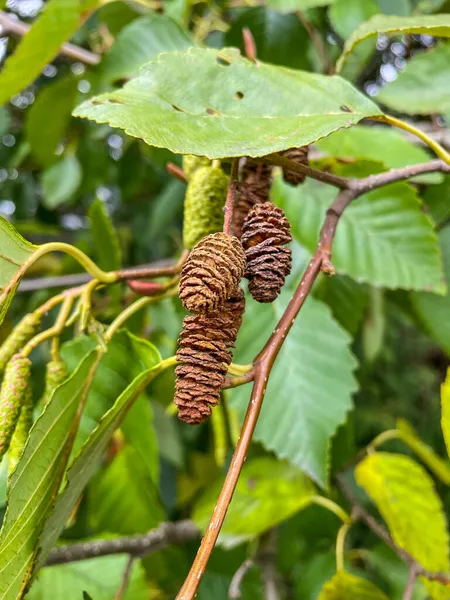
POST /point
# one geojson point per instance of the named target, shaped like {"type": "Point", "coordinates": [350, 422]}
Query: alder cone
{"type": "Point", "coordinates": [298, 155]}
{"type": "Point", "coordinates": [204, 353]}
{"type": "Point", "coordinates": [265, 231]}
{"type": "Point", "coordinates": [253, 189]}
{"type": "Point", "coordinates": [211, 273]}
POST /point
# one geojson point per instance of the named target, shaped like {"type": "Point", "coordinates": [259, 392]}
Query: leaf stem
{"type": "Point", "coordinates": [340, 545]}
{"type": "Point", "coordinates": [60, 324]}
{"type": "Point", "coordinates": [332, 507]}
{"type": "Point", "coordinates": [382, 438]}
{"type": "Point", "coordinates": [52, 331]}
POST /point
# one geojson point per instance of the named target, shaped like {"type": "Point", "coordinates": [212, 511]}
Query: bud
{"type": "Point", "coordinates": [203, 205]}
{"type": "Point", "coordinates": [191, 163]}
{"type": "Point", "coordinates": [19, 336]}
{"type": "Point", "coordinates": [20, 436]}
{"type": "Point", "coordinates": [12, 396]}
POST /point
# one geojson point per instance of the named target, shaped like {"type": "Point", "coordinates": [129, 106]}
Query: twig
{"type": "Point", "coordinates": [234, 591]}
{"type": "Point", "coordinates": [125, 579]}
{"type": "Point", "coordinates": [323, 176]}
{"type": "Point", "coordinates": [316, 41]}
{"type": "Point", "coordinates": [137, 546]}
{"type": "Point", "coordinates": [175, 170]}
{"type": "Point", "coordinates": [228, 209]}
{"type": "Point", "coordinates": [267, 557]}
{"type": "Point", "coordinates": [10, 26]}
{"type": "Point", "coordinates": [409, 589]}
{"type": "Point", "coordinates": [153, 271]}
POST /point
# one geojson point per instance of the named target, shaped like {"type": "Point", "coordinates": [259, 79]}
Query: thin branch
{"type": "Point", "coordinates": [137, 546]}
{"type": "Point", "coordinates": [11, 26]}
{"type": "Point", "coordinates": [153, 271]}
{"type": "Point", "coordinates": [228, 209]}
{"type": "Point", "coordinates": [409, 589]}
{"type": "Point", "coordinates": [267, 559]}
{"type": "Point", "coordinates": [234, 591]}
{"type": "Point", "coordinates": [323, 176]}
{"type": "Point", "coordinates": [125, 579]}
{"type": "Point", "coordinates": [175, 171]}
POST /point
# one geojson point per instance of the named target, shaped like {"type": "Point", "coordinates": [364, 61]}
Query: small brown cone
{"type": "Point", "coordinates": [204, 355]}
{"type": "Point", "coordinates": [211, 273]}
{"type": "Point", "coordinates": [253, 189]}
{"type": "Point", "coordinates": [298, 155]}
{"type": "Point", "coordinates": [266, 229]}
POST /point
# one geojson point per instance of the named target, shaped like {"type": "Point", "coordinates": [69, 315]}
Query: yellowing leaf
{"type": "Point", "coordinates": [405, 496]}
{"type": "Point", "coordinates": [445, 407]}
{"type": "Point", "coordinates": [345, 586]}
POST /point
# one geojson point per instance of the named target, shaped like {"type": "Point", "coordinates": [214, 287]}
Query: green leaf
{"type": "Point", "coordinates": [97, 578]}
{"type": "Point", "coordinates": [47, 119]}
{"type": "Point", "coordinates": [14, 253]}
{"type": "Point", "coordinates": [86, 463]}
{"type": "Point", "coordinates": [140, 41]}
{"type": "Point", "coordinates": [382, 144]}
{"type": "Point", "coordinates": [4, 120]}
{"type": "Point", "coordinates": [436, 202]}
{"type": "Point", "coordinates": [432, 310]}
{"type": "Point", "coordinates": [395, 7]}
{"type": "Point", "coordinates": [61, 181]}
{"type": "Point", "coordinates": [280, 38]}
{"type": "Point", "coordinates": [36, 480]}
{"type": "Point", "coordinates": [139, 431]}
{"type": "Point", "coordinates": [287, 6]}
{"type": "Point", "coordinates": [347, 300]}
{"type": "Point", "coordinates": [405, 496]}
{"type": "Point", "coordinates": [445, 408]}
{"type": "Point", "coordinates": [276, 108]}
{"type": "Point", "coordinates": [268, 492]}
{"type": "Point", "coordinates": [344, 586]}
{"type": "Point", "coordinates": [310, 388]}
{"type": "Point", "coordinates": [383, 238]}
{"type": "Point", "coordinates": [106, 241]}
{"type": "Point", "coordinates": [437, 25]}
{"type": "Point", "coordinates": [423, 88]}
{"type": "Point", "coordinates": [58, 21]}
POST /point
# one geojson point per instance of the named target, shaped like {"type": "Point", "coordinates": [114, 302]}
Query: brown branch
{"type": "Point", "coordinates": [152, 271]}
{"type": "Point", "coordinates": [11, 26]}
{"type": "Point", "coordinates": [125, 579]}
{"type": "Point", "coordinates": [267, 559]}
{"type": "Point", "coordinates": [234, 591]}
{"type": "Point", "coordinates": [175, 171]}
{"type": "Point", "coordinates": [136, 546]}
{"type": "Point", "coordinates": [228, 209]}
{"type": "Point", "coordinates": [409, 589]}
{"type": "Point", "coordinates": [323, 176]}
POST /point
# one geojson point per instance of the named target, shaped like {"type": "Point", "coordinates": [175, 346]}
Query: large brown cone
{"type": "Point", "coordinates": [204, 353]}
{"type": "Point", "coordinates": [211, 273]}
{"type": "Point", "coordinates": [265, 231]}
{"type": "Point", "coordinates": [253, 189]}
{"type": "Point", "coordinates": [298, 155]}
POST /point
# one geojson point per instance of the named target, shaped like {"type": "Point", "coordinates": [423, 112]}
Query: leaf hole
{"type": "Point", "coordinates": [346, 108]}
{"type": "Point", "coordinates": [222, 61]}
{"type": "Point", "coordinates": [175, 107]}
{"type": "Point", "coordinates": [238, 95]}
{"type": "Point", "coordinates": [212, 112]}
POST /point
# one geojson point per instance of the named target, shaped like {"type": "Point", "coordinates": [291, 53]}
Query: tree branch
{"type": "Point", "coordinates": [11, 26]}
{"type": "Point", "coordinates": [231, 196]}
{"type": "Point", "coordinates": [136, 546]}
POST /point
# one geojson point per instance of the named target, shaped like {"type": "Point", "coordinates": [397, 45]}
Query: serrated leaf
{"type": "Point", "coordinates": [97, 578]}
{"type": "Point", "coordinates": [14, 253]}
{"type": "Point", "coordinates": [276, 108]}
{"type": "Point", "coordinates": [287, 6]}
{"type": "Point", "coordinates": [445, 408]}
{"type": "Point", "coordinates": [423, 87]}
{"type": "Point", "coordinates": [439, 467]}
{"type": "Point", "coordinates": [36, 480]}
{"type": "Point", "coordinates": [310, 388]}
{"type": "Point", "coordinates": [433, 310]}
{"type": "Point", "coordinates": [86, 463]}
{"type": "Point", "coordinates": [58, 21]}
{"type": "Point", "coordinates": [405, 496]}
{"type": "Point", "coordinates": [140, 41]}
{"type": "Point", "coordinates": [347, 300]}
{"type": "Point", "coordinates": [268, 492]}
{"type": "Point", "coordinates": [382, 144]}
{"type": "Point", "coordinates": [344, 586]}
{"type": "Point", "coordinates": [106, 241]}
{"type": "Point", "coordinates": [436, 202]}
{"type": "Point", "coordinates": [48, 117]}
{"type": "Point", "coordinates": [436, 25]}
{"type": "Point", "coordinates": [383, 238]}
{"type": "Point", "coordinates": [61, 181]}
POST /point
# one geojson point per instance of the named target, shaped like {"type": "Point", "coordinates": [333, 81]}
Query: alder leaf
{"type": "Point", "coordinates": [268, 492]}
{"type": "Point", "coordinates": [260, 108]}
{"type": "Point", "coordinates": [14, 253]}
{"type": "Point", "coordinates": [405, 497]}
{"type": "Point", "coordinates": [345, 586]}
{"type": "Point", "coordinates": [288, 6]}
{"type": "Point", "coordinates": [310, 387]}
{"type": "Point", "coordinates": [445, 408]}
{"type": "Point", "coordinates": [105, 238]}
{"type": "Point", "coordinates": [383, 238]}
{"type": "Point", "coordinates": [435, 25]}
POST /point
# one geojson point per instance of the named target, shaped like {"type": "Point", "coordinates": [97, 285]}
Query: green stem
{"type": "Point", "coordinates": [437, 148]}
{"type": "Point", "coordinates": [52, 331]}
{"type": "Point", "coordinates": [340, 545]}
{"type": "Point", "coordinates": [332, 507]}
{"type": "Point", "coordinates": [386, 436]}
{"type": "Point", "coordinates": [235, 369]}
{"type": "Point", "coordinates": [60, 324]}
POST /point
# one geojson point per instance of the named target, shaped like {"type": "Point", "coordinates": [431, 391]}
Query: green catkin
{"type": "Point", "coordinates": [12, 396]}
{"type": "Point", "coordinates": [19, 336]}
{"type": "Point", "coordinates": [20, 435]}
{"type": "Point", "coordinates": [56, 372]}
{"type": "Point", "coordinates": [191, 163]}
{"type": "Point", "coordinates": [203, 206]}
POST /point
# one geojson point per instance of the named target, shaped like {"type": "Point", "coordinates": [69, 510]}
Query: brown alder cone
{"type": "Point", "coordinates": [253, 189]}
{"type": "Point", "coordinates": [298, 155]}
{"type": "Point", "coordinates": [211, 273]}
{"type": "Point", "coordinates": [265, 231]}
{"type": "Point", "coordinates": [204, 353]}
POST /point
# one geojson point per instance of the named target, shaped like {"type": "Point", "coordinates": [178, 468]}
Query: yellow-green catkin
{"type": "Point", "coordinates": [20, 435]}
{"type": "Point", "coordinates": [19, 336]}
{"type": "Point", "coordinates": [191, 163]}
{"type": "Point", "coordinates": [12, 396]}
{"type": "Point", "coordinates": [203, 205]}
{"type": "Point", "coordinates": [56, 372]}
